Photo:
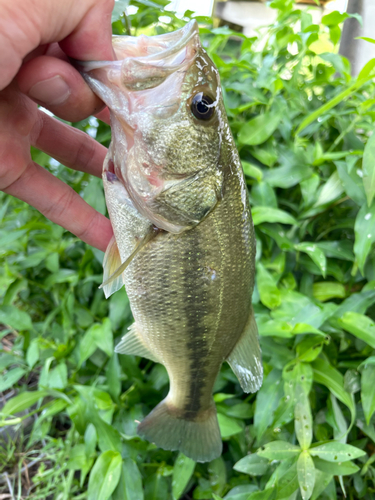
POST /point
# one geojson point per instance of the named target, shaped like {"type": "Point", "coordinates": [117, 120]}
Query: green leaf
{"type": "Point", "coordinates": [321, 482]}
{"type": "Point", "coordinates": [334, 18]}
{"type": "Point", "coordinates": [93, 193]}
{"type": "Point", "coordinates": [10, 378]}
{"type": "Point", "coordinates": [268, 214]}
{"type": "Point", "coordinates": [156, 487]}
{"type": "Point", "coordinates": [303, 419]}
{"type": "Point", "coordinates": [278, 450]}
{"type": "Point", "coordinates": [286, 176]}
{"type": "Point", "coordinates": [357, 302]}
{"type": "Point", "coordinates": [77, 457]}
{"type": "Point", "coordinates": [364, 76]}
{"type": "Point", "coordinates": [339, 424]}
{"type": "Point", "coordinates": [339, 469]}
{"type": "Point", "coordinates": [217, 474]}
{"type": "Point", "coordinates": [334, 451]}
{"type": "Point", "coordinates": [366, 38]}
{"type": "Point", "coordinates": [316, 254]}
{"type": "Point", "coordinates": [325, 374]}
{"type": "Point", "coordinates": [330, 191]}
{"type": "Point", "coordinates": [109, 437]}
{"type": "Point", "coordinates": [326, 290]}
{"type": "Point", "coordinates": [338, 249]}
{"type": "Point", "coordinates": [264, 195]}
{"type": "Point", "coordinates": [268, 399]}
{"type": "Point", "coordinates": [275, 328]}
{"type": "Point", "coordinates": [97, 336]}
{"type": "Point", "coordinates": [306, 474]}
{"type": "Point", "coordinates": [113, 373]}
{"type": "Point", "coordinates": [22, 402]}
{"type": "Point", "coordinates": [32, 355]}
{"type": "Point", "coordinates": [182, 471]}
{"type": "Point", "coordinates": [228, 426]}
{"type": "Point", "coordinates": [240, 410]}
{"type": "Point", "coordinates": [241, 492]}
{"type": "Point", "coordinates": [252, 171]}
{"type": "Point", "coordinates": [297, 375]}
{"type": "Point", "coordinates": [268, 494]}
{"type": "Point", "coordinates": [15, 318]}
{"type": "Point", "coordinates": [91, 440]}
{"type": "Point", "coordinates": [287, 481]}
{"type": "Point", "coordinates": [360, 326]}
{"type": "Point", "coordinates": [364, 234]}
{"type": "Point", "coordinates": [104, 476]}
{"type": "Point", "coordinates": [58, 377]}
{"type": "Point", "coordinates": [260, 128]}
{"type": "Point", "coordinates": [310, 348]}
{"type": "Point", "coordinates": [352, 183]}
{"type": "Point", "coordinates": [76, 412]}
{"type": "Point", "coordinates": [268, 291]}
{"type": "Point", "coordinates": [253, 464]}
{"type": "Point", "coordinates": [368, 391]}
{"type": "Point", "coordinates": [130, 484]}
{"type": "Point", "coordinates": [104, 337]}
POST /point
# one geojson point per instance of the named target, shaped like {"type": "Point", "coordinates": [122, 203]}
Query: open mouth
{"type": "Point", "coordinates": [160, 49]}
{"type": "Point", "coordinates": [145, 59]}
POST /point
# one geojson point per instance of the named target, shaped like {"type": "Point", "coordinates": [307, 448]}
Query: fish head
{"type": "Point", "coordinates": [167, 120]}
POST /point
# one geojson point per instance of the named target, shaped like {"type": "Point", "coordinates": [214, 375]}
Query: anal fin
{"type": "Point", "coordinates": [133, 343]}
{"type": "Point", "coordinates": [111, 262]}
{"type": "Point", "coordinates": [245, 359]}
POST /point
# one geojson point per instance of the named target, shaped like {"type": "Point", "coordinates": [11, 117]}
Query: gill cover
{"type": "Point", "coordinates": [163, 94]}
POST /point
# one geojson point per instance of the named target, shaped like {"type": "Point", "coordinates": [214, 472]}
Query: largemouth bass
{"type": "Point", "coordinates": [184, 242]}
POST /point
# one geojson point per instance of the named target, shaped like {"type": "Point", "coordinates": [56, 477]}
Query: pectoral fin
{"type": "Point", "coordinates": [115, 275]}
{"type": "Point", "coordinates": [110, 263]}
{"type": "Point", "coordinates": [245, 359]}
{"type": "Point", "coordinates": [133, 343]}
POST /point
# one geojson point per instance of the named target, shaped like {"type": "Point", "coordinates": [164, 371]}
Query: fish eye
{"type": "Point", "coordinates": [201, 106]}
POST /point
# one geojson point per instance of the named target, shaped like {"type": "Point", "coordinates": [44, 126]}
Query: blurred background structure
{"type": "Point", "coordinates": [359, 52]}
{"type": "Point", "coordinates": [250, 15]}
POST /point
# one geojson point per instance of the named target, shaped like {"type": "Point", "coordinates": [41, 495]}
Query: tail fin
{"type": "Point", "coordinates": [198, 439]}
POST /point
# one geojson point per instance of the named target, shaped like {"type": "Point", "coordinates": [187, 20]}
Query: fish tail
{"type": "Point", "coordinates": [198, 438]}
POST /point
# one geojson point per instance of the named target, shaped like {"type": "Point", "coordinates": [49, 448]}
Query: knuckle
{"type": "Point", "coordinates": [84, 233]}
{"type": "Point", "coordinates": [85, 153]}
{"type": "Point", "coordinates": [61, 205]}
{"type": "Point", "coordinates": [13, 160]}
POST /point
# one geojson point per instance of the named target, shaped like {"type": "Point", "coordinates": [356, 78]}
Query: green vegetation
{"type": "Point", "coordinates": [71, 405]}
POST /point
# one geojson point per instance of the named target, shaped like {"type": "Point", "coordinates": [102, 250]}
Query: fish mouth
{"type": "Point", "coordinates": [144, 61]}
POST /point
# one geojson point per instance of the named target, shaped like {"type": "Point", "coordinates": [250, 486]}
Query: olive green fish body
{"type": "Point", "coordinates": [191, 295]}
{"type": "Point", "coordinates": [184, 242]}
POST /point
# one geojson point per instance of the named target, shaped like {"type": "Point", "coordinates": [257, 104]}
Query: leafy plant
{"type": "Point", "coordinates": [303, 128]}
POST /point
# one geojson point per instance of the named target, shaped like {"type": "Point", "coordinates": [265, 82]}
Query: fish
{"type": "Point", "coordinates": [184, 242]}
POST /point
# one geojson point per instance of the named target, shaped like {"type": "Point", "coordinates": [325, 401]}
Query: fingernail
{"type": "Point", "coordinates": [52, 91]}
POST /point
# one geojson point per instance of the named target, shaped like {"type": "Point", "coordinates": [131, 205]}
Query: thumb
{"type": "Point", "coordinates": [83, 29]}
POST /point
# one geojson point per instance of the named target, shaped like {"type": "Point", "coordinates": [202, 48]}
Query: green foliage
{"type": "Point", "coordinates": [303, 128]}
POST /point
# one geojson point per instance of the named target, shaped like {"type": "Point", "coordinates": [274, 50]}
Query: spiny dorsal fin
{"type": "Point", "coordinates": [245, 359]}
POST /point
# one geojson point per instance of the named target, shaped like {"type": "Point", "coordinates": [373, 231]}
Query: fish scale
{"type": "Point", "coordinates": [185, 250]}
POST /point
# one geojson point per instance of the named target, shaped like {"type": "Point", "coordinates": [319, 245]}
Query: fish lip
{"type": "Point", "coordinates": [179, 39]}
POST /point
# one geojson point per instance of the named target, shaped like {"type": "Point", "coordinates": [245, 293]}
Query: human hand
{"type": "Point", "coordinates": [36, 39]}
